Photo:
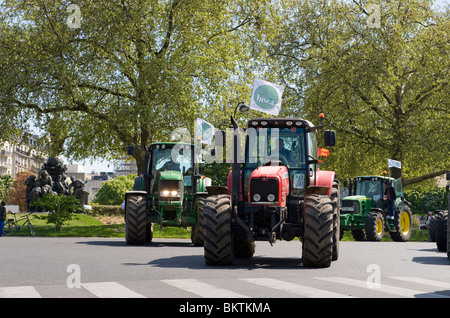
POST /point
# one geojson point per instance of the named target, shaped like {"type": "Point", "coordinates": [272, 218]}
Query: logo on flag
{"type": "Point", "coordinates": [324, 152]}
{"type": "Point", "coordinates": [394, 164]}
{"type": "Point", "coordinates": [266, 97]}
{"type": "Point", "coordinates": [204, 131]}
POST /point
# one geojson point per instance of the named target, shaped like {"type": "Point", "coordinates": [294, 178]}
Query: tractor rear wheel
{"type": "Point", "coordinates": [136, 220]}
{"type": "Point", "coordinates": [335, 201]}
{"type": "Point", "coordinates": [197, 230]}
{"type": "Point", "coordinates": [374, 226]}
{"type": "Point", "coordinates": [402, 224]}
{"type": "Point", "coordinates": [441, 231]}
{"type": "Point", "coordinates": [318, 236]}
{"type": "Point", "coordinates": [218, 244]}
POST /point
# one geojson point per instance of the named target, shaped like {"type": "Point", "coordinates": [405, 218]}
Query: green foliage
{"type": "Point", "coordinates": [5, 183]}
{"type": "Point", "coordinates": [218, 172]}
{"type": "Point", "coordinates": [131, 73]}
{"type": "Point", "coordinates": [60, 208]}
{"type": "Point", "coordinates": [384, 89]}
{"type": "Point", "coordinates": [112, 192]}
{"type": "Point", "coordinates": [424, 201]}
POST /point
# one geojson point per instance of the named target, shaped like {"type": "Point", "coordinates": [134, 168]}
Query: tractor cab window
{"type": "Point", "coordinates": [164, 160]}
{"type": "Point", "coordinates": [287, 145]}
{"type": "Point", "coordinates": [276, 144]}
{"type": "Point", "coordinates": [371, 188]}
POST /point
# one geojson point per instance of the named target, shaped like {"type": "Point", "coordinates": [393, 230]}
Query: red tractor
{"type": "Point", "coordinates": [276, 191]}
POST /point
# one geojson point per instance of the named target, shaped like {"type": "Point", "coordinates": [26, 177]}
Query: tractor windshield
{"type": "Point", "coordinates": [276, 144]}
{"type": "Point", "coordinates": [164, 159]}
{"type": "Point", "coordinates": [371, 188]}
{"type": "Point", "coordinates": [287, 145]}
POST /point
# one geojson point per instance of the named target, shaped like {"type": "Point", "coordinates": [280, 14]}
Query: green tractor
{"type": "Point", "coordinates": [364, 212]}
{"type": "Point", "coordinates": [170, 192]}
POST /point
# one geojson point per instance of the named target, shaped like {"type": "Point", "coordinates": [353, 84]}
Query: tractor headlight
{"type": "Point", "coordinates": [256, 197]}
{"type": "Point", "coordinates": [271, 197]}
{"type": "Point", "coordinates": [170, 193]}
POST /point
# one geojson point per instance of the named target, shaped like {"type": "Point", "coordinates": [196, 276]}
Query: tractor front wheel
{"type": "Point", "coordinates": [318, 234]}
{"type": "Point", "coordinates": [218, 244]}
{"type": "Point", "coordinates": [136, 220]}
{"type": "Point", "coordinates": [374, 227]}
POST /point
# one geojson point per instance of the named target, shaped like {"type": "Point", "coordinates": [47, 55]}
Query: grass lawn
{"type": "Point", "coordinates": [88, 226]}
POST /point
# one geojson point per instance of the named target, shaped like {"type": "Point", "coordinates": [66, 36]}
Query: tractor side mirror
{"type": "Point", "coordinates": [130, 150]}
{"type": "Point", "coordinates": [329, 137]}
{"type": "Point", "coordinates": [448, 175]}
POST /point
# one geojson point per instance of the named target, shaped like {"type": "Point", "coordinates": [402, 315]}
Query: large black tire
{"type": "Point", "coordinates": [318, 237]}
{"type": "Point", "coordinates": [198, 230]}
{"type": "Point", "coordinates": [136, 220]}
{"type": "Point", "coordinates": [218, 243]}
{"type": "Point", "coordinates": [432, 229]}
{"type": "Point", "coordinates": [374, 226]}
{"type": "Point", "coordinates": [441, 231]}
{"type": "Point", "coordinates": [402, 224]}
{"type": "Point", "coordinates": [335, 201]}
{"type": "Point", "coordinates": [243, 246]}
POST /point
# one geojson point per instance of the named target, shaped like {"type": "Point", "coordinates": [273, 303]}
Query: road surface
{"type": "Point", "coordinates": [173, 268]}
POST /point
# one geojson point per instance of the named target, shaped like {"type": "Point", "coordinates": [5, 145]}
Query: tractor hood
{"type": "Point", "coordinates": [356, 198]}
{"type": "Point", "coordinates": [171, 175]}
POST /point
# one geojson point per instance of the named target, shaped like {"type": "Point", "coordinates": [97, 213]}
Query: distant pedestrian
{"type": "Point", "coordinates": [2, 217]}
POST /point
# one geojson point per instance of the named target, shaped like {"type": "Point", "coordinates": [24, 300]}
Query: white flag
{"type": "Point", "coordinates": [394, 164]}
{"type": "Point", "coordinates": [204, 131]}
{"type": "Point", "coordinates": [266, 97]}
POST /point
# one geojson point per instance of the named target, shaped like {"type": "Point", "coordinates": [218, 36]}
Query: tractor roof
{"type": "Point", "coordinates": [170, 144]}
{"type": "Point", "coordinates": [378, 177]}
{"type": "Point", "coordinates": [279, 122]}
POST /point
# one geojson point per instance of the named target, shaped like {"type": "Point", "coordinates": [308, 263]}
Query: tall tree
{"type": "Point", "coordinates": [380, 71]}
{"type": "Point", "coordinates": [101, 75]}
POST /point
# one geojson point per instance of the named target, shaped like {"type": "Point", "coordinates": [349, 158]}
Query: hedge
{"type": "Point", "coordinates": [424, 201]}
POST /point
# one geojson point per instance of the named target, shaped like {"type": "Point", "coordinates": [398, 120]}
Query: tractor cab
{"type": "Point", "coordinates": [284, 144]}
{"type": "Point", "coordinates": [170, 170]}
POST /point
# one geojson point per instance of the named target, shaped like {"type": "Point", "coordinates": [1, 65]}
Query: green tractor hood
{"type": "Point", "coordinates": [171, 175]}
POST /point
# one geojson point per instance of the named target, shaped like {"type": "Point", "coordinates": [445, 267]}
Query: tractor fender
{"type": "Point", "coordinates": [214, 190]}
{"type": "Point", "coordinates": [229, 181]}
{"type": "Point", "coordinates": [324, 179]}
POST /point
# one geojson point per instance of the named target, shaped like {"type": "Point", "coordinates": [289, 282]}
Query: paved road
{"type": "Point", "coordinates": [106, 267]}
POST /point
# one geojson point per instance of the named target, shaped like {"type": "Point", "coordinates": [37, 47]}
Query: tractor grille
{"type": "Point", "coordinates": [350, 207]}
{"type": "Point", "coordinates": [263, 188]}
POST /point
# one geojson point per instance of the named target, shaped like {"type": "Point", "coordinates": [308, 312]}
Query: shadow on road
{"type": "Point", "coordinates": [120, 243]}
{"type": "Point", "coordinates": [198, 262]}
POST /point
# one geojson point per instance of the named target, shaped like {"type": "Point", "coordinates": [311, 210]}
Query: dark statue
{"type": "Point", "coordinates": [52, 179]}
